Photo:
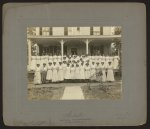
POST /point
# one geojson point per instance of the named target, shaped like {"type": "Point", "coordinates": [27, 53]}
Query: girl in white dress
{"type": "Point", "coordinates": [55, 73]}
{"type": "Point", "coordinates": [110, 73]}
{"type": "Point", "coordinates": [37, 75]}
{"type": "Point", "coordinates": [87, 71]}
{"type": "Point", "coordinates": [49, 72]}
{"type": "Point", "coordinates": [67, 73]}
{"type": "Point", "coordinates": [60, 72]}
{"type": "Point", "coordinates": [33, 63]}
{"type": "Point", "coordinates": [93, 71]}
{"type": "Point", "coordinates": [82, 72]}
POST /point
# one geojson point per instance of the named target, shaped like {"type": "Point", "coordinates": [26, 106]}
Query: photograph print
{"type": "Point", "coordinates": [74, 63]}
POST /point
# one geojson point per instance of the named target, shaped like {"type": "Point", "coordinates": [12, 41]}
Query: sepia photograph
{"type": "Point", "coordinates": [74, 63]}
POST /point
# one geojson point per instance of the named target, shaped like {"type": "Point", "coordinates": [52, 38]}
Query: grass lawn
{"type": "Point", "coordinates": [45, 93]}
{"type": "Point", "coordinates": [102, 92]}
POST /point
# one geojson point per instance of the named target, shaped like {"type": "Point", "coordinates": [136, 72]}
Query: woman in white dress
{"type": "Point", "coordinates": [50, 58]}
{"type": "Point", "coordinates": [67, 73]}
{"type": "Point", "coordinates": [33, 63]}
{"type": "Point", "coordinates": [72, 72]}
{"type": "Point", "coordinates": [60, 72]}
{"type": "Point", "coordinates": [42, 60]}
{"type": "Point", "coordinates": [115, 62]}
{"type": "Point", "coordinates": [49, 72]}
{"type": "Point", "coordinates": [37, 75]}
{"type": "Point", "coordinates": [43, 73]}
{"type": "Point", "coordinates": [55, 73]}
{"type": "Point", "coordinates": [103, 71]}
{"type": "Point", "coordinates": [64, 66]}
{"type": "Point", "coordinates": [46, 59]}
{"type": "Point", "coordinates": [82, 71]}
{"type": "Point", "coordinates": [110, 73]}
{"type": "Point", "coordinates": [93, 71]}
{"type": "Point", "coordinates": [77, 72]}
{"type": "Point", "coordinates": [38, 59]}
{"type": "Point", "coordinates": [98, 72]}
{"type": "Point", "coordinates": [87, 71]}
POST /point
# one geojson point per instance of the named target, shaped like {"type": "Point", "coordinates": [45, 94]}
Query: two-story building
{"type": "Point", "coordinates": [62, 41]}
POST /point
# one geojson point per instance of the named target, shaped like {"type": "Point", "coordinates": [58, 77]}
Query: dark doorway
{"type": "Point", "coordinates": [74, 51]}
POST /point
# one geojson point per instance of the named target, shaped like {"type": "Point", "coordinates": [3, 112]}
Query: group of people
{"type": "Point", "coordinates": [73, 68]}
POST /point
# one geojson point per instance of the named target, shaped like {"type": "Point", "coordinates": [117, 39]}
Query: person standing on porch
{"type": "Point", "coordinates": [43, 73]}
{"type": "Point", "coordinates": [37, 75]}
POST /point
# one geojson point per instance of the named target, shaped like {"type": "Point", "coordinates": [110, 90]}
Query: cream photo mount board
{"type": "Point", "coordinates": [130, 110]}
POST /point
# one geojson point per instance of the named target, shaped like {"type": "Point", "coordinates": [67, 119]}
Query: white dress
{"type": "Point", "coordinates": [49, 73]}
{"type": "Point", "coordinates": [37, 75]}
{"type": "Point", "coordinates": [46, 60]}
{"type": "Point", "coordinates": [64, 66]}
{"type": "Point", "coordinates": [115, 62]}
{"type": "Point", "coordinates": [60, 73]}
{"type": "Point", "coordinates": [38, 60]}
{"type": "Point", "coordinates": [72, 72]}
{"type": "Point", "coordinates": [67, 73]}
{"type": "Point", "coordinates": [110, 73]}
{"type": "Point", "coordinates": [33, 63]}
{"type": "Point", "coordinates": [55, 74]}
{"type": "Point", "coordinates": [42, 60]}
{"type": "Point", "coordinates": [77, 73]}
{"type": "Point", "coordinates": [87, 72]}
{"type": "Point", "coordinates": [103, 71]}
{"type": "Point", "coordinates": [50, 59]}
{"type": "Point", "coordinates": [59, 58]}
{"type": "Point", "coordinates": [93, 72]}
{"type": "Point", "coordinates": [82, 72]}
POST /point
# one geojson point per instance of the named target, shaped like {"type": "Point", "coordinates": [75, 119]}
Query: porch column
{"type": "Point", "coordinates": [29, 51]}
{"type": "Point", "coordinates": [87, 46]}
{"type": "Point", "coordinates": [62, 48]}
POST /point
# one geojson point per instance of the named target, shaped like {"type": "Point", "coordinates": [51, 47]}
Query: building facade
{"type": "Point", "coordinates": [62, 41]}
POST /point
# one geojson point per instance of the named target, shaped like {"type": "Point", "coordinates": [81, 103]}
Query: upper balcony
{"type": "Point", "coordinates": [74, 32]}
